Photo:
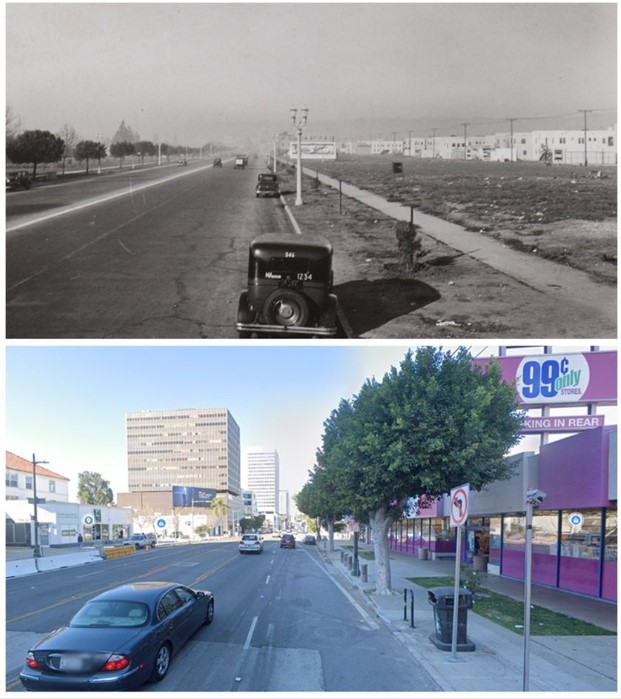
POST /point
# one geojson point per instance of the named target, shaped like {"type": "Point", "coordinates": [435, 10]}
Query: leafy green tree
{"type": "Point", "coordinates": [93, 489]}
{"type": "Point", "coordinates": [35, 147]}
{"type": "Point", "coordinates": [201, 530]}
{"type": "Point", "coordinates": [121, 150]}
{"type": "Point", "coordinates": [429, 426]}
{"type": "Point", "coordinates": [145, 148]}
{"type": "Point", "coordinates": [89, 150]}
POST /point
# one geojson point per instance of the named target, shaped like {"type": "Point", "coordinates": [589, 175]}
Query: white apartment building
{"type": "Point", "coordinates": [561, 146]}
{"type": "Point", "coordinates": [263, 473]}
{"type": "Point", "coordinates": [19, 479]}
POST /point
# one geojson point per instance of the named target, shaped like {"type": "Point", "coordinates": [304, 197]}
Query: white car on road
{"type": "Point", "coordinates": [251, 543]}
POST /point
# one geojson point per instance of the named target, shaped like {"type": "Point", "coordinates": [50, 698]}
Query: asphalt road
{"type": "Point", "coordinates": [154, 253]}
{"type": "Point", "coordinates": [282, 622]}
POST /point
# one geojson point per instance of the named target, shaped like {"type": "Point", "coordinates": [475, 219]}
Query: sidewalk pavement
{"type": "Point", "coordinates": [556, 663]}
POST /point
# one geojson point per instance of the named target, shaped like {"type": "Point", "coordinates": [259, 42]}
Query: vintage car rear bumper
{"type": "Point", "coordinates": [285, 329]}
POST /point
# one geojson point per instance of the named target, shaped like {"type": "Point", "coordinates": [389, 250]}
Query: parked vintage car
{"type": "Point", "coordinates": [267, 185]}
{"type": "Point", "coordinates": [18, 180]}
{"type": "Point", "coordinates": [289, 288]}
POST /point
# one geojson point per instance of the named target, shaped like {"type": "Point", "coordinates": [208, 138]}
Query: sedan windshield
{"type": "Point", "coordinates": [111, 613]}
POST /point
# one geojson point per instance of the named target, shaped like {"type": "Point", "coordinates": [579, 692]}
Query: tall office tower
{"type": "Point", "coordinates": [197, 447]}
{"type": "Point", "coordinates": [263, 480]}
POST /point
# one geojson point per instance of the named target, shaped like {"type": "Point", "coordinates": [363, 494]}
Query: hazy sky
{"type": "Point", "coordinates": [67, 405]}
{"type": "Point", "coordinates": [183, 72]}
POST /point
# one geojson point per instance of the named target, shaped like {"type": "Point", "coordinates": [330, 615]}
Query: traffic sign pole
{"type": "Point", "coordinates": [456, 593]}
{"type": "Point", "coordinates": [459, 514]}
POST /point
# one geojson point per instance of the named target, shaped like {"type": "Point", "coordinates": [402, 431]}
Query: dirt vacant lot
{"type": "Point", "coordinates": [559, 213]}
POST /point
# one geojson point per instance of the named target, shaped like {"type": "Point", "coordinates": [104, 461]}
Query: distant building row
{"type": "Point", "coordinates": [557, 147]}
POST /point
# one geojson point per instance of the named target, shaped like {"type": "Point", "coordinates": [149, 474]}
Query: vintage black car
{"type": "Point", "coordinates": [289, 288]}
{"type": "Point", "coordinates": [267, 185]}
{"type": "Point", "coordinates": [18, 180]}
{"type": "Point", "coordinates": [217, 162]}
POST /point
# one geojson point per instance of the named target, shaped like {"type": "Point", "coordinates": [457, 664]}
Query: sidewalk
{"type": "Point", "coordinates": [556, 663]}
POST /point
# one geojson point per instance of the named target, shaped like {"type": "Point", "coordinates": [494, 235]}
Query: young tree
{"type": "Point", "coordinates": [93, 489]}
{"type": "Point", "coordinates": [121, 150]}
{"type": "Point", "coordinates": [145, 148]}
{"type": "Point", "coordinates": [89, 150]}
{"type": "Point", "coordinates": [12, 125]}
{"type": "Point", "coordinates": [69, 137]}
{"type": "Point", "coordinates": [35, 147]}
{"type": "Point", "coordinates": [433, 424]}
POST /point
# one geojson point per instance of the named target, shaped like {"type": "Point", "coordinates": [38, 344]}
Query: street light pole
{"type": "Point", "coordinates": [299, 125]}
{"type": "Point", "coordinates": [534, 498]}
{"type": "Point", "coordinates": [37, 548]}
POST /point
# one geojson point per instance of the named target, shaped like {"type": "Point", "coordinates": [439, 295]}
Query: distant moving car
{"type": "Point", "coordinates": [267, 185]}
{"type": "Point", "coordinates": [287, 541]}
{"type": "Point", "coordinates": [140, 541]}
{"type": "Point", "coordinates": [310, 539]}
{"type": "Point", "coordinates": [241, 161]}
{"type": "Point", "coordinates": [289, 288]}
{"type": "Point", "coordinates": [118, 640]}
{"type": "Point", "coordinates": [217, 162]}
{"type": "Point", "coordinates": [18, 180]}
{"type": "Point", "coordinates": [251, 543]}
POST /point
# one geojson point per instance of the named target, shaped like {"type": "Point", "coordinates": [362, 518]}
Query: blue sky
{"type": "Point", "coordinates": [67, 404]}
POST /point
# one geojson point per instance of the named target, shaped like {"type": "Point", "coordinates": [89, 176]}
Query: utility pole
{"type": "Point", "coordinates": [465, 139]}
{"type": "Point", "coordinates": [37, 548]}
{"type": "Point", "coordinates": [433, 143]}
{"type": "Point", "coordinates": [585, 112]}
{"type": "Point", "coordinates": [511, 138]}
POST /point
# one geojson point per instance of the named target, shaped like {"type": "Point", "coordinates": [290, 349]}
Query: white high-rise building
{"type": "Point", "coordinates": [263, 473]}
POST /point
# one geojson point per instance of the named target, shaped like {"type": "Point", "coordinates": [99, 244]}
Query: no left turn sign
{"type": "Point", "coordinates": [459, 505]}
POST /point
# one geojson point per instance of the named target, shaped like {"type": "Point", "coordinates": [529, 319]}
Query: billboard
{"type": "Point", "coordinates": [314, 150]}
{"type": "Point", "coordinates": [187, 496]}
{"type": "Point", "coordinates": [560, 379]}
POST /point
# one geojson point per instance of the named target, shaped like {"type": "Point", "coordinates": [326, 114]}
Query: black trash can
{"type": "Point", "coordinates": [397, 168]}
{"type": "Point", "coordinates": [442, 600]}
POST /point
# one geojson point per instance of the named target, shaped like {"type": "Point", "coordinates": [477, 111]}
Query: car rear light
{"type": "Point", "coordinates": [31, 662]}
{"type": "Point", "coordinates": [115, 662]}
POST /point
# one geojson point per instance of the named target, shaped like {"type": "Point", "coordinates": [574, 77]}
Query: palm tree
{"type": "Point", "coordinates": [219, 507]}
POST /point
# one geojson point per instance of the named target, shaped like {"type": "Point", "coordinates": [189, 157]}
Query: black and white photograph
{"type": "Point", "coordinates": [301, 170]}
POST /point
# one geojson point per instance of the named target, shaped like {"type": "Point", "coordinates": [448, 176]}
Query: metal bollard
{"type": "Point", "coordinates": [405, 606]}
{"type": "Point", "coordinates": [363, 572]}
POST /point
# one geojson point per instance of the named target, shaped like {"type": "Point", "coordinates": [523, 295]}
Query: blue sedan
{"type": "Point", "coordinates": [118, 640]}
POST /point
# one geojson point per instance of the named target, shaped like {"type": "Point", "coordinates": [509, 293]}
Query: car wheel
{"type": "Point", "coordinates": [161, 664]}
{"type": "Point", "coordinates": [210, 612]}
{"type": "Point", "coordinates": [286, 307]}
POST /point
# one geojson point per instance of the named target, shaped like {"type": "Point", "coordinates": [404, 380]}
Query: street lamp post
{"type": "Point", "coordinates": [534, 498]}
{"type": "Point", "coordinates": [299, 125]}
{"type": "Point", "coordinates": [37, 548]}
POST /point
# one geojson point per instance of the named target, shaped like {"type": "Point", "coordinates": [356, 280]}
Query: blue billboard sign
{"type": "Point", "coordinates": [188, 496]}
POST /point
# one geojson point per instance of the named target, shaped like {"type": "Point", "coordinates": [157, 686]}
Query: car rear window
{"type": "Point", "coordinates": [111, 614]}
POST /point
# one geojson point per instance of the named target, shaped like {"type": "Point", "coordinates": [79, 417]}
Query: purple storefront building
{"type": "Point", "coordinates": [574, 540]}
